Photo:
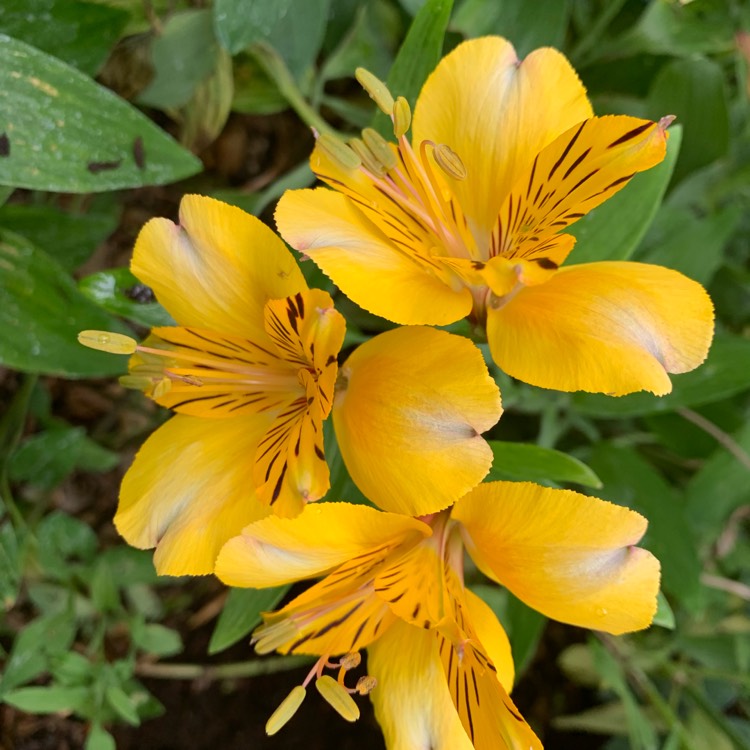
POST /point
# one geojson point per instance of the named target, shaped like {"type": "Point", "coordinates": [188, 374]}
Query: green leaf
{"type": "Point", "coordinates": [100, 739]}
{"type": "Point", "coordinates": [66, 133]}
{"type": "Point", "coordinates": [694, 90]}
{"type": "Point", "coordinates": [531, 463]}
{"type": "Point", "coordinates": [70, 238]}
{"type": "Point", "coordinates": [688, 243]}
{"type": "Point", "coordinates": [123, 704]}
{"type": "Point", "coordinates": [183, 54]}
{"type": "Point", "coordinates": [664, 616]}
{"type": "Point", "coordinates": [295, 30]}
{"type": "Point", "coordinates": [46, 700]}
{"type": "Point", "coordinates": [527, 25]}
{"type": "Point", "coordinates": [41, 314]}
{"type": "Point", "coordinates": [613, 230]}
{"type": "Point", "coordinates": [61, 539]}
{"type": "Point", "coordinates": [80, 33]}
{"type": "Point", "coordinates": [11, 565]}
{"type": "Point", "coordinates": [722, 375]}
{"type": "Point", "coordinates": [241, 613]}
{"type": "Point", "coordinates": [45, 459]}
{"type": "Point", "coordinates": [157, 639]}
{"type": "Point", "coordinates": [103, 588]}
{"type": "Point", "coordinates": [631, 481]}
{"type": "Point", "coordinates": [117, 291]}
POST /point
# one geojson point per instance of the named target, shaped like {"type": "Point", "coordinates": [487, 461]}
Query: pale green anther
{"type": "Point", "coordinates": [136, 382]}
{"type": "Point", "coordinates": [449, 161]}
{"type": "Point", "coordinates": [270, 637]}
{"type": "Point", "coordinates": [337, 696]}
{"type": "Point", "coordinates": [370, 163]}
{"type": "Point", "coordinates": [105, 341]}
{"type": "Point", "coordinates": [380, 148]}
{"type": "Point", "coordinates": [377, 90]}
{"type": "Point", "coordinates": [339, 151]}
{"type": "Point", "coordinates": [401, 117]}
{"type": "Point", "coordinates": [286, 710]}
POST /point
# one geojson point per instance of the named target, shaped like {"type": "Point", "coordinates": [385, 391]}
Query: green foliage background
{"type": "Point", "coordinates": [84, 84]}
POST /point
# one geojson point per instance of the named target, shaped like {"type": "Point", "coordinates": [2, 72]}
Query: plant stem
{"type": "Point", "coordinates": [212, 672]}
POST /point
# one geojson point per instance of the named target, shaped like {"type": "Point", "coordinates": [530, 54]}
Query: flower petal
{"type": "Point", "coordinates": [324, 536]}
{"type": "Point", "coordinates": [374, 272]}
{"type": "Point", "coordinates": [410, 418]}
{"type": "Point", "coordinates": [570, 556]}
{"type": "Point", "coordinates": [217, 268]}
{"type": "Point", "coordinates": [613, 327]}
{"type": "Point", "coordinates": [411, 700]}
{"type": "Point", "coordinates": [497, 113]}
{"type": "Point", "coordinates": [493, 638]}
{"type": "Point", "coordinates": [189, 490]}
{"type": "Point", "coordinates": [577, 172]}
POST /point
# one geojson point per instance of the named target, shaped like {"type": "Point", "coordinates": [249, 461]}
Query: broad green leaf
{"type": "Point", "coordinates": [421, 50]}
{"type": "Point", "coordinates": [11, 565]}
{"type": "Point", "coordinates": [100, 739]}
{"type": "Point", "coordinates": [45, 459]}
{"type": "Point", "coordinates": [693, 89]}
{"type": "Point", "coordinates": [295, 30]}
{"type": "Point", "coordinates": [614, 230]}
{"type": "Point", "coordinates": [241, 613]}
{"type": "Point", "coordinates": [690, 244]}
{"type": "Point", "coordinates": [61, 540]}
{"type": "Point", "coordinates": [183, 54]}
{"type": "Point", "coordinates": [41, 314]}
{"type": "Point", "coordinates": [630, 480]}
{"type": "Point", "coordinates": [255, 93]}
{"type": "Point", "coordinates": [70, 238]}
{"type": "Point", "coordinates": [664, 616]}
{"type": "Point", "coordinates": [723, 374]}
{"type": "Point", "coordinates": [46, 700]}
{"type": "Point", "coordinates": [119, 292]}
{"type": "Point", "coordinates": [157, 639]}
{"type": "Point", "coordinates": [531, 463]}
{"type": "Point", "coordinates": [80, 33]}
{"type": "Point", "coordinates": [103, 588]}
{"type": "Point", "coordinates": [609, 718]}
{"type": "Point", "coordinates": [65, 133]}
{"type": "Point", "coordinates": [527, 25]}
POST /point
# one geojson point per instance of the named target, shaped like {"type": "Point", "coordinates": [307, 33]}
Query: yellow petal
{"type": "Point", "coordinates": [379, 275]}
{"type": "Point", "coordinates": [217, 268]}
{"type": "Point", "coordinates": [612, 327]}
{"type": "Point", "coordinates": [577, 172]}
{"type": "Point", "coordinates": [493, 638]}
{"type": "Point", "coordinates": [570, 556]}
{"type": "Point", "coordinates": [496, 114]}
{"type": "Point", "coordinates": [409, 416]}
{"type": "Point", "coordinates": [322, 537]}
{"type": "Point", "coordinates": [411, 700]}
{"type": "Point", "coordinates": [189, 490]}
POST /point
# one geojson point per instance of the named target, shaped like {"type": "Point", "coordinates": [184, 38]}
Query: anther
{"type": "Point", "coordinates": [380, 148]}
{"type": "Point", "coordinates": [377, 90]}
{"type": "Point", "coordinates": [286, 710]}
{"type": "Point", "coordinates": [269, 637]}
{"type": "Point", "coordinates": [370, 163]}
{"type": "Point", "coordinates": [366, 684]}
{"type": "Point", "coordinates": [351, 660]}
{"type": "Point", "coordinates": [337, 696]}
{"type": "Point", "coordinates": [449, 161]}
{"type": "Point", "coordinates": [104, 341]}
{"type": "Point", "coordinates": [401, 116]}
{"type": "Point", "coordinates": [337, 150]}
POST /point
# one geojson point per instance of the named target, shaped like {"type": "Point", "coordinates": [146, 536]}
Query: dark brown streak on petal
{"type": "Point", "coordinates": [632, 134]}
{"type": "Point", "coordinates": [567, 150]}
{"type": "Point", "coordinates": [531, 178]}
{"type": "Point", "coordinates": [277, 488]}
{"type": "Point", "coordinates": [576, 163]}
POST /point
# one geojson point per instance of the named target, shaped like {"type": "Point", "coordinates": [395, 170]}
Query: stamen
{"type": "Point", "coordinates": [366, 684]}
{"type": "Point", "coordinates": [286, 710]}
{"type": "Point", "coordinates": [380, 148]}
{"type": "Point", "coordinates": [401, 117]}
{"type": "Point", "coordinates": [370, 163]}
{"type": "Point", "coordinates": [271, 636]}
{"type": "Point", "coordinates": [351, 660]}
{"type": "Point", "coordinates": [377, 90]}
{"type": "Point", "coordinates": [449, 161]}
{"type": "Point", "coordinates": [337, 696]}
{"type": "Point", "coordinates": [105, 341]}
{"type": "Point", "coordinates": [339, 152]}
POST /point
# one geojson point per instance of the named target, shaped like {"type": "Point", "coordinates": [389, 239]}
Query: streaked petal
{"type": "Point", "coordinates": [570, 556]}
{"type": "Point", "coordinates": [493, 638]}
{"type": "Point", "coordinates": [577, 172]}
{"type": "Point", "coordinates": [324, 536]}
{"type": "Point", "coordinates": [497, 113]}
{"type": "Point", "coordinates": [411, 700]}
{"type": "Point", "coordinates": [189, 490]}
{"type": "Point", "coordinates": [217, 268]}
{"type": "Point", "coordinates": [377, 274]}
{"type": "Point", "coordinates": [613, 327]}
{"type": "Point", "coordinates": [410, 418]}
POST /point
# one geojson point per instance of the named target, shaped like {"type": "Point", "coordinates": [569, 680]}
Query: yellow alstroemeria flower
{"type": "Point", "coordinates": [394, 584]}
{"type": "Point", "coordinates": [251, 370]}
{"type": "Point", "coordinates": [466, 219]}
